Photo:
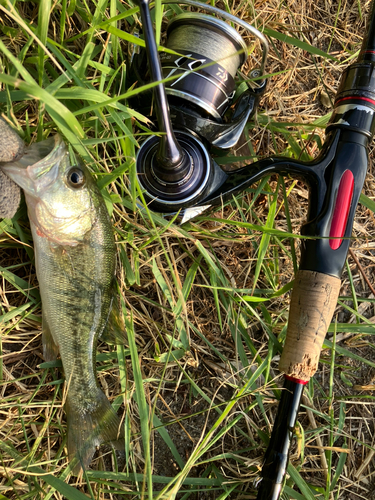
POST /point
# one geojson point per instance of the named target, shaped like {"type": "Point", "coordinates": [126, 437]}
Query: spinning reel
{"type": "Point", "coordinates": [196, 110]}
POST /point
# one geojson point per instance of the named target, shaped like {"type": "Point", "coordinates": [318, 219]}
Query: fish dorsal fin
{"type": "Point", "coordinates": [114, 331]}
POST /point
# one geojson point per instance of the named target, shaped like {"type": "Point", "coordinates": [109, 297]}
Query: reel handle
{"type": "Point", "coordinates": [169, 154]}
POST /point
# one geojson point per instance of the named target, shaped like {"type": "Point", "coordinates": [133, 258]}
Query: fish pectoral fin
{"type": "Point", "coordinates": [50, 348]}
{"type": "Point", "coordinates": [88, 429]}
{"type": "Point", "coordinates": [115, 332]}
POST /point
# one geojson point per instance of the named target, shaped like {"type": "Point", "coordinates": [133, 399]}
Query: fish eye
{"type": "Point", "coordinates": [76, 178]}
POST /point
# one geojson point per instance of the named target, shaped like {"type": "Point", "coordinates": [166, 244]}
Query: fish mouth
{"type": "Point", "coordinates": [38, 167]}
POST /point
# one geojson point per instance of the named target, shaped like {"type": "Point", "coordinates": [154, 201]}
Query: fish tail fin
{"type": "Point", "coordinates": [90, 428]}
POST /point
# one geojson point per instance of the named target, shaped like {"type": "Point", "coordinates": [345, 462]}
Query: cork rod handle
{"type": "Point", "coordinates": [313, 303]}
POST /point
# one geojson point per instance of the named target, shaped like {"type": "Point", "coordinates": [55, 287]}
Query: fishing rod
{"type": "Point", "coordinates": [317, 283]}
{"type": "Point", "coordinates": [196, 112]}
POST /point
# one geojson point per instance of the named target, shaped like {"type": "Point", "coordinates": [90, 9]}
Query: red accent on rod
{"type": "Point", "coordinates": [296, 380]}
{"type": "Point", "coordinates": [341, 211]}
{"type": "Point", "coordinates": [355, 97]}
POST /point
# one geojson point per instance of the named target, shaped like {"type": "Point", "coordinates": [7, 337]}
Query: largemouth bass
{"type": "Point", "coordinates": [75, 263]}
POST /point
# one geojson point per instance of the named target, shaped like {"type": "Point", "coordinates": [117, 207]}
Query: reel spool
{"type": "Point", "coordinates": [176, 171]}
{"type": "Point", "coordinates": [212, 51]}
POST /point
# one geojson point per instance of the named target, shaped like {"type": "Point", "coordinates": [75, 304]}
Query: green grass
{"type": "Point", "coordinates": [206, 303]}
